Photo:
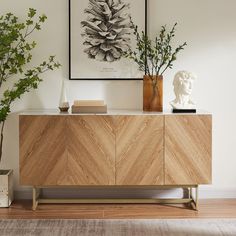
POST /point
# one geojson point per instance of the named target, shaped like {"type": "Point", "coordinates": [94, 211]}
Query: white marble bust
{"type": "Point", "coordinates": [183, 86]}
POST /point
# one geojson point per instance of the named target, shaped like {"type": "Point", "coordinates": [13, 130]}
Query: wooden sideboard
{"type": "Point", "coordinates": [121, 148]}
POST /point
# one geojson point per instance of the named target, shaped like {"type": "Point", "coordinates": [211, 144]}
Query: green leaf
{"type": "Point", "coordinates": [42, 18]}
{"type": "Point", "coordinates": [33, 45]}
{"type": "Point", "coordinates": [32, 12]}
{"type": "Point", "coordinates": [29, 22]}
{"type": "Point", "coordinates": [37, 26]}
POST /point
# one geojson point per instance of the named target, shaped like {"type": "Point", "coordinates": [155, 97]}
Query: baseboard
{"type": "Point", "coordinates": [205, 192]}
{"type": "Point", "coordinates": [217, 192]}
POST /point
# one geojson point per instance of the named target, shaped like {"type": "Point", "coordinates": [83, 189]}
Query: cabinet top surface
{"type": "Point", "coordinates": [110, 112]}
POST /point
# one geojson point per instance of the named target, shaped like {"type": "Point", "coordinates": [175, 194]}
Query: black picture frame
{"type": "Point", "coordinates": [104, 79]}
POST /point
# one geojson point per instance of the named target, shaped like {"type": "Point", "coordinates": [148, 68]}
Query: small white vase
{"type": "Point", "coordinates": [64, 104]}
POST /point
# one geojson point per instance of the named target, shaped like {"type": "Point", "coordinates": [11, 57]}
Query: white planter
{"type": "Point", "coordinates": [6, 188]}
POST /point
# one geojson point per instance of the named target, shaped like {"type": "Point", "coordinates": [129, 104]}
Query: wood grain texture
{"type": "Point", "coordinates": [115, 150]}
{"type": "Point", "coordinates": [139, 150]}
{"type": "Point", "coordinates": [67, 150]}
{"type": "Point", "coordinates": [188, 149]}
{"type": "Point", "coordinates": [43, 155]}
{"type": "Point", "coordinates": [91, 150]}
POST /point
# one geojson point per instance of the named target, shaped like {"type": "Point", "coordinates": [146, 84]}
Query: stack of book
{"type": "Point", "coordinates": [89, 106]}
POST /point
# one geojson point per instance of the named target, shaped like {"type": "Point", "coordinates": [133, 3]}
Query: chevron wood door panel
{"type": "Point", "coordinates": [188, 149]}
{"type": "Point", "coordinates": [91, 150]}
{"type": "Point", "coordinates": [43, 155]}
{"type": "Point", "coordinates": [139, 150]}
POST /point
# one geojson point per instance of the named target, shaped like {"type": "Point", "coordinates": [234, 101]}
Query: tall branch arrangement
{"type": "Point", "coordinates": [15, 54]}
{"type": "Point", "coordinates": [154, 57]}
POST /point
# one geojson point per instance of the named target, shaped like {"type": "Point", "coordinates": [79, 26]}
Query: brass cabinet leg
{"type": "Point", "coordinates": [196, 199]}
{"type": "Point", "coordinates": [194, 202]}
{"type": "Point", "coordinates": [36, 193]}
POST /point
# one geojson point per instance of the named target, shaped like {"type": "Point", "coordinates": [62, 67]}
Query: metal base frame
{"type": "Point", "coordinates": [187, 199]}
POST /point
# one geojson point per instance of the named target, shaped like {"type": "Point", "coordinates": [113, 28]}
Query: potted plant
{"type": "Point", "coordinates": [154, 58]}
{"type": "Point", "coordinates": [15, 54]}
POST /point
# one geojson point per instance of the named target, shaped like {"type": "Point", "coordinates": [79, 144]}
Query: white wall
{"type": "Point", "coordinates": [210, 30]}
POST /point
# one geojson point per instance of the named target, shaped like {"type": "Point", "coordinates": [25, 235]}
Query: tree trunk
{"type": "Point", "coordinates": [1, 139]}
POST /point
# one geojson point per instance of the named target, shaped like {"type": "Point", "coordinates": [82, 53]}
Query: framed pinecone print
{"type": "Point", "coordinates": [100, 32]}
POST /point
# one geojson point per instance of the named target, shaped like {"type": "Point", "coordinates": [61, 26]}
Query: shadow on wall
{"type": "Point", "coordinates": [124, 94]}
{"type": "Point", "coordinates": [99, 192]}
{"type": "Point", "coordinates": [11, 145]}
{"type": "Point", "coordinates": [110, 192]}
{"type": "Point", "coordinates": [33, 101]}
{"type": "Point", "coordinates": [10, 158]}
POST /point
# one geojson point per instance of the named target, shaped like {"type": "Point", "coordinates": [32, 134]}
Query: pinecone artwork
{"type": "Point", "coordinates": [107, 29]}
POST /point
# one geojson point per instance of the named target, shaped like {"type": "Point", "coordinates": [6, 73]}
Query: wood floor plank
{"type": "Point", "coordinates": [212, 208]}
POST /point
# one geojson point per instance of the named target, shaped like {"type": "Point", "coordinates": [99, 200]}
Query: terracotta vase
{"type": "Point", "coordinates": [153, 93]}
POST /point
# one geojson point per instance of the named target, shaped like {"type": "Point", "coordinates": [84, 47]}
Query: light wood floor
{"type": "Point", "coordinates": [208, 209]}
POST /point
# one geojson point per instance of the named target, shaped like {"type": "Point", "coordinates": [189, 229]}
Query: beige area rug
{"type": "Point", "coordinates": [118, 227]}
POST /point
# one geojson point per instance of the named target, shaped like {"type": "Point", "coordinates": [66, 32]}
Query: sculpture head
{"type": "Point", "coordinates": [183, 83]}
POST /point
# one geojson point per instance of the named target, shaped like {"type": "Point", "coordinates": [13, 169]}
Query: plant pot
{"type": "Point", "coordinates": [153, 93]}
{"type": "Point", "coordinates": [6, 188]}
